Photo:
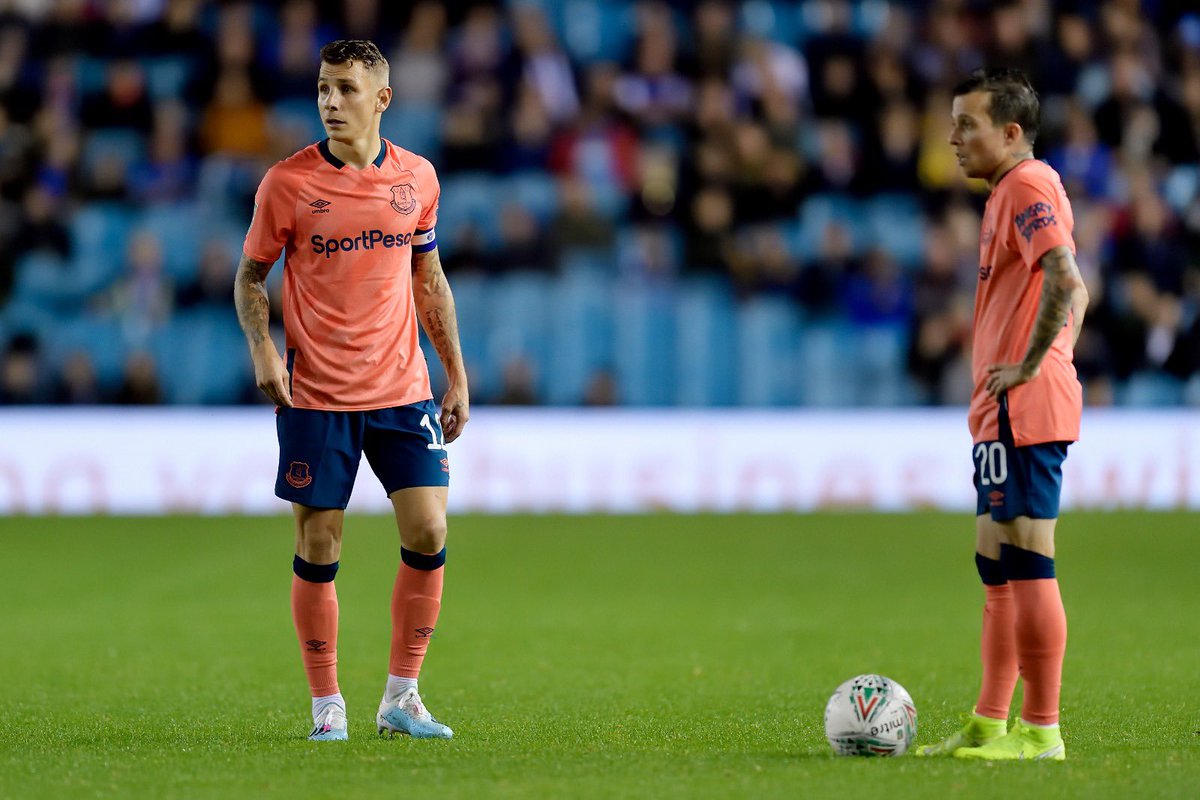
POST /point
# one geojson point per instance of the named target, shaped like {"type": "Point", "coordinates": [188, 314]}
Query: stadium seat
{"type": "Point", "coordinates": [820, 211]}
{"type": "Point", "coordinates": [470, 198]}
{"type": "Point", "coordinates": [823, 359]}
{"type": "Point", "coordinates": [894, 223]}
{"type": "Point", "coordinates": [1154, 389]}
{"type": "Point", "coordinates": [101, 337]}
{"type": "Point", "coordinates": [105, 146]}
{"type": "Point", "coordinates": [176, 228]}
{"type": "Point", "coordinates": [773, 19]}
{"type": "Point", "coordinates": [302, 116]}
{"type": "Point", "coordinates": [201, 357]}
{"type": "Point", "coordinates": [99, 236]}
{"type": "Point", "coordinates": [767, 360]}
{"type": "Point", "coordinates": [706, 344]}
{"type": "Point", "coordinates": [645, 342]}
{"type": "Point", "coordinates": [537, 192]}
{"type": "Point", "coordinates": [518, 311]}
{"type": "Point", "coordinates": [167, 76]}
{"type": "Point", "coordinates": [878, 360]}
{"type": "Point", "coordinates": [417, 127]}
{"type": "Point", "coordinates": [581, 333]}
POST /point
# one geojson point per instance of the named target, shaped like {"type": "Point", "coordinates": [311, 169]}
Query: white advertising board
{"type": "Point", "coordinates": [121, 461]}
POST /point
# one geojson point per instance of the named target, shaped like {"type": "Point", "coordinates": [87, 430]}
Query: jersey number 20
{"type": "Point", "coordinates": [992, 460]}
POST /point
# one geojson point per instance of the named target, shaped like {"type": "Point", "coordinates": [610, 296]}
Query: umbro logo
{"type": "Point", "coordinates": [422, 633]}
{"type": "Point", "coordinates": [316, 645]}
{"type": "Point", "coordinates": [320, 206]}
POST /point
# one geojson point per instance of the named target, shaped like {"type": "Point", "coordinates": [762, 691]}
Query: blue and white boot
{"type": "Point", "coordinates": [408, 716]}
{"type": "Point", "coordinates": [330, 725]}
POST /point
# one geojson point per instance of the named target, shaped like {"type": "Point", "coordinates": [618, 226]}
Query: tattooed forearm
{"type": "Point", "coordinates": [435, 305]}
{"type": "Point", "coordinates": [1063, 292]}
{"type": "Point", "coordinates": [250, 298]}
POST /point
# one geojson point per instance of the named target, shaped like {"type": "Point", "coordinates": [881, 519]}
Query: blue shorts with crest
{"type": "Point", "coordinates": [319, 451]}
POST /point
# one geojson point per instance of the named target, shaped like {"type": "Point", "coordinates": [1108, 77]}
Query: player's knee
{"type": "Point", "coordinates": [320, 541]}
{"type": "Point", "coordinates": [425, 536]}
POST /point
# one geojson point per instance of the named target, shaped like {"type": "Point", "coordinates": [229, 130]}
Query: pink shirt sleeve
{"type": "Point", "coordinates": [429, 206]}
{"type": "Point", "coordinates": [274, 219]}
{"type": "Point", "coordinates": [1039, 225]}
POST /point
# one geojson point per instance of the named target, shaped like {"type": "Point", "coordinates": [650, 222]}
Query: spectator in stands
{"type": "Point", "coordinates": [20, 378]}
{"type": "Point", "coordinates": [419, 57]}
{"type": "Point", "coordinates": [578, 225]}
{"type": "Point", "coordinates": [523, 243]}
{"type": "Point", "coordinates": [518, 383]}
{"type": "Point", "coordinates": [42, 229]}
{"type": "Point", "coordinates": [76, 382]}
{"type": "Point", "coordinates": [235, 122]}
{"type": "Point", "coordinates": [167, 172]}
{"type": "Point", "coordinates": [139, 381]}
{"type": "Point", "coordinates": [213, 284]}
{"type": "Point", "coordinates": [142, 297]}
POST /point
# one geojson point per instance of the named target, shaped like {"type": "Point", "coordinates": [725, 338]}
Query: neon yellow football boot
{"type": "Point", "coordinates": [1022, 743]}
{"type": "Point", "coordinates": [977, 731]}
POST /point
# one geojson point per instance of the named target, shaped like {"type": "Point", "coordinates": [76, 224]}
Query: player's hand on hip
{"type": "Point", "coordinates": [1002, 377]}
{"type": "Point", "coordinates": [456, 410]}
{"type": "Point", "coordinates": [271, 375]}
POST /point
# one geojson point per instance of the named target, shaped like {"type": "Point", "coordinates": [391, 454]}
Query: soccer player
{"type": "Point", "coordinates": [354, 215]}
{"type": "Point", "coordinates": [1025, 410]}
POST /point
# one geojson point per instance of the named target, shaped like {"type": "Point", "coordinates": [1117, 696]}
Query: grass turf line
{"type": "Point", "coordinates": [644, 656]}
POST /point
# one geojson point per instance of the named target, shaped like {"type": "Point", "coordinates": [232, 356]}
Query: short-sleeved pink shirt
{"type": "Point", "coordinates": [348, 236]}
{"type": "Point", "coordinates": [1027, 215]}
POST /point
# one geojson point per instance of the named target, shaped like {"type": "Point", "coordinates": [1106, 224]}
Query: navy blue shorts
{"type": "Point", "coordinates": [319, 451]}
{"type": "Point", "coordinates": [1012, 481]}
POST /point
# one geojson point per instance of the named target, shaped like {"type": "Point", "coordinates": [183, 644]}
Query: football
{"type": "Point", "coordinates": [870, 715]}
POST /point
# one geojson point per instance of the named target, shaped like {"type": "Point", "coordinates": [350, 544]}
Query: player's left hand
{"type": "Point", "coordinates": [1002, 377]}
{"type": "Point", "coordinates": [456, 410]}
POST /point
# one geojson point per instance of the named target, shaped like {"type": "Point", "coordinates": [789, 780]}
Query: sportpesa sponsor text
{"type": "Point", "coordinates": [364, 240]}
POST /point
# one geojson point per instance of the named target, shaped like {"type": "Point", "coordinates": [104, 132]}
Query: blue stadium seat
{"type": "Point", "coordinates": [201, 357]}
{"type": "Point", "coordinates": [767, 345]}
{"type": "Point", "coordinates": [877, 364]}
{"type": "Point", "coordinates": [594, 30]}
{"type": "Point", "coordinates": [819, 211]}
{"type": "Point", "coordinates": [824, 381]}
{"type": "Point", "coordinates": [300, 115]}
{"type": "Point", "coordinates": [177, 228]}
{"type": "Point", "coordinates": [706, 344]}
{"type": "Point", "coordinates": [644, 346]}
{"type": "Point", "coordinates": [518, 306]}
{"type": "Point", "coordinates": [1152, 389]}
{"type": "Point", "coordinates": [44, 279]}
{"type": "Point", "coordinates": [537, 192]}
{"type": "Point", "coordinates": [167, 76]}
{"type": "Point", "coordinates": [894, 223]}
{"type": "Point", "coordinates": [104, 144]}
{"type": "Point", "coordinates": [471, 307]}
{"type": "Point", "coordinates": [101, 337]}
{"type": "Point", "coordinates": [417, 127]}
{"type": "Point", "coordinates": [777, 20]}
{"type": "Point", "coordinates": [99, 236]}
{"type": "Point", "coordinates": [470, 198]}
{"type": "Point", "coordinates": [581, 330]}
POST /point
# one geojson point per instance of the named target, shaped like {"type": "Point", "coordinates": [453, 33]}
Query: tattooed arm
{"type": "Point", "coordinates": [250, 297]}
{"type": "Point", "coordinates": [435, 306]}
{"type": "Point", "coordinates": [1063, 294]}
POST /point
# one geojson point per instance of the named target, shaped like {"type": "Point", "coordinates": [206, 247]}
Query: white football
{"type": "Point", "coordinates": [870, 715]}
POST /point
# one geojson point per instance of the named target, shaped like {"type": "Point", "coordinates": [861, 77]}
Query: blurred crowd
{"type": "Point", "coordinates": [751, 144]}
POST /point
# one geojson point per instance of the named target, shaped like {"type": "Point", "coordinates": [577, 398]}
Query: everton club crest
{"type": "Point", "coordinates": [404, 195]}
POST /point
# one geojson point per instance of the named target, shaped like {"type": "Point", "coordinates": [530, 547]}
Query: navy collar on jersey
{"type": "Point", "coordinates": [323, 146]}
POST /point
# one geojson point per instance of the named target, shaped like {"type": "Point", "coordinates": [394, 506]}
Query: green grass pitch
{"type": "Point", "coordinates": [642, 656]}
